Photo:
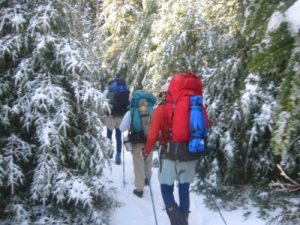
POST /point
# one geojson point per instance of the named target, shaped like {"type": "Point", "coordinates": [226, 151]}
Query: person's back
{"type": "Point", "coordinates": [119, 97]}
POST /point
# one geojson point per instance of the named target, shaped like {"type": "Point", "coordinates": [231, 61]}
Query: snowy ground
{"type": "Point", "coordinates": [139, 211]}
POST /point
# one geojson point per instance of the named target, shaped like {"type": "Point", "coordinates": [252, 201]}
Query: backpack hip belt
{"type": "Point", "coordinates": [176, 151]}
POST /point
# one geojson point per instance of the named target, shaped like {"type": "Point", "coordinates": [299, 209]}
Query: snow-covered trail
{"type": "Point", "coordinates": [135, 210]}
{"type": "Point", "coordinates": [139, 211]}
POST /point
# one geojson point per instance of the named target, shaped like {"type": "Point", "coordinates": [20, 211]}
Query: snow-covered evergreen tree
{"type": "Point", "coordinates": [52, 152]}
{"type": "Point", "coordinates": [241, 96]}
{"type": "Point", "coordinates": [157, 38]}
{"type": "Point", "coordinates": [251, 92]}
{"type": "Point", "coordinates": [116, 19]}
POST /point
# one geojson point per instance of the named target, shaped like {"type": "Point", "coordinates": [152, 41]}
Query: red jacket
{"type": "Point", "coordinates": [159, 128]}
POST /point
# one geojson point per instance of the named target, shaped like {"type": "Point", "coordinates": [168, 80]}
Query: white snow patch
{"type": "Point", "coordinates": [276, 19]}
{"type": "Point", "coordinates": [293, 17]}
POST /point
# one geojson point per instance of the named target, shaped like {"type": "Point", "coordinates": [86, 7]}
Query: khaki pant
{"type": "Point", "coordinates": [141, 168]}
{"type": "Point", "coordinates": [112, 122]}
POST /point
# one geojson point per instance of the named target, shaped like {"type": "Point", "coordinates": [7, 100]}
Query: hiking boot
{"type": "Point", "coordinates": [175, 215]}
{"type": "Point", "coordinates": [138, 193]}
{"type": "Point", "coordinates": [146, 182]}
{"type": "Point", "coordinates": [118, 158]}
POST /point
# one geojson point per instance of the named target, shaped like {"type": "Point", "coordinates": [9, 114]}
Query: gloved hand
{"type": "Point", "coordinates": [143, 156]}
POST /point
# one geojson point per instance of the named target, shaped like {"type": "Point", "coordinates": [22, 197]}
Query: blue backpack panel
{"type": "Point", "coordinates": [198, 125]}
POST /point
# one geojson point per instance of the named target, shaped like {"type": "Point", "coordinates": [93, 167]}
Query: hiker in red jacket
{"type": "Point", "coordinates": [170, 169]}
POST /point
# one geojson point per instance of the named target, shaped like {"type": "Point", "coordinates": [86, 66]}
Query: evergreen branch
{"type": "Point", "coordinates": [293, 142]}
{"type": "Point", "coordinates": [270, 56]}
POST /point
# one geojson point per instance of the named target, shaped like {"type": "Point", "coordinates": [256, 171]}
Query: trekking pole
{"type": "Point", "coordinates": [151, 194]}
{"type": "Point", "coordinates": [153, 206]}
{"type": "Point", "coordinates": [214, 201]}
{"type": "Point", "coordinates": [123, 160]}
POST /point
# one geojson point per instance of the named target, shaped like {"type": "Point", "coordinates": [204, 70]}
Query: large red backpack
{"type": "Point", "coordinates": [182, 86]}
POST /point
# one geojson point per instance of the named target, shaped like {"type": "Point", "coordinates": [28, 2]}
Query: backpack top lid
{"type": "Point", "coordinates": [140, 94]}
{"type": "Point", "coordinates": [185, 84]}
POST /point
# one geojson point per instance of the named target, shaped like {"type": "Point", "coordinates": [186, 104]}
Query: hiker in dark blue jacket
{"type": "Point", "coordinates": [118, 96]}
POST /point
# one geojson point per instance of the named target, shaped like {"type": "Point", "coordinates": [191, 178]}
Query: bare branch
{"type": "Point", "coordinates": [291, 185]}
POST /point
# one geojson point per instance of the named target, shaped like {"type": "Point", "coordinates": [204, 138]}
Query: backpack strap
{"type": "Point", "coordinates": [136, 136]}
{"type": "Point", "coordinates": [178, 152]}
{"type": "Point", "coordinates": [171, 121]}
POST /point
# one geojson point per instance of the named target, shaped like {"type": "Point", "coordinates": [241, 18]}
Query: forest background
{"type": "Point", "coordinates": [57, 56]}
